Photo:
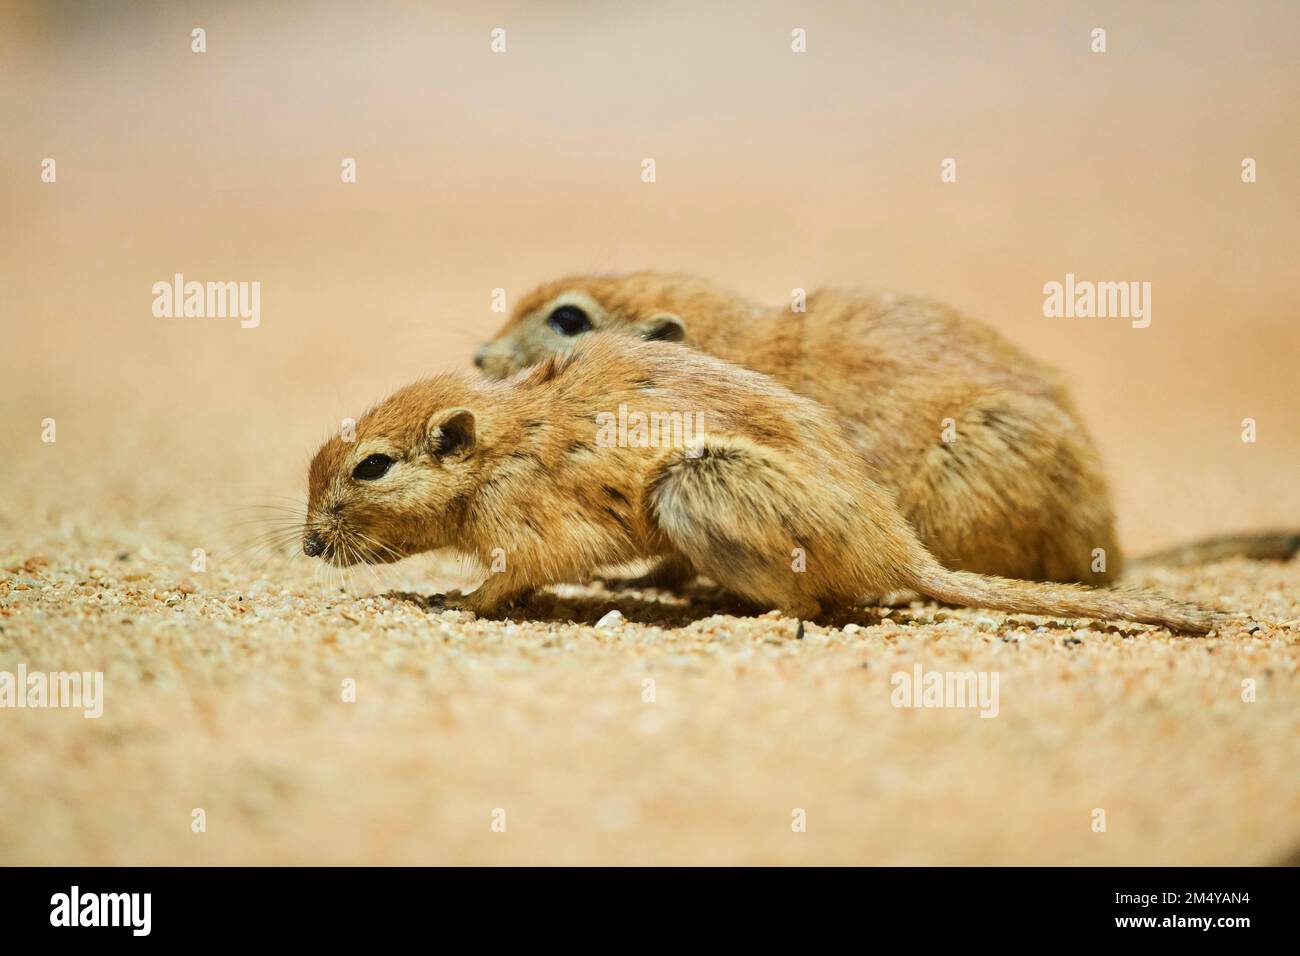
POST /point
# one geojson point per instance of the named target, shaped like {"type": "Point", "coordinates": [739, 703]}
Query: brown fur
{"type": "Point", "coordinates": [1020, 493]}
{"type": "Point", "coordinates": [771, 478]}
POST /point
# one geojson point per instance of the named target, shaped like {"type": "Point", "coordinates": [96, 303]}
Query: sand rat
{"type": "Point", "coordinates": [980, 444]}
{"type": "Point", "coordinates": [624, 449]}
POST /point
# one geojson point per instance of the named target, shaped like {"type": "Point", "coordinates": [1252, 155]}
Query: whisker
{"type": "Point", "coordinates": [353, 540]}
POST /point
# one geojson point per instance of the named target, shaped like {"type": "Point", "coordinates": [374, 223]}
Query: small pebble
{"type": "Point", "coordinates": [612, 619]}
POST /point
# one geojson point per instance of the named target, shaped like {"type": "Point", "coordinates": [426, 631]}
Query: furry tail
{"type": "Point", "coordinates": [1063, 600]}
{"type": "Point", "coordinates": [1261, 546]}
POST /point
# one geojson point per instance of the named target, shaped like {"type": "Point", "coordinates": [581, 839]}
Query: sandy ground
{"type": "Point", "coordinates": [224, 690]}
{"type": "Point", "coordinates": [224, 687]}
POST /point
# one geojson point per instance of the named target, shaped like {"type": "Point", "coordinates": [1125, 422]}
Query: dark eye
{"type": "Point", "coordinates": [376, 466]}
{"type": "Point", "coordinates": [569, 320]}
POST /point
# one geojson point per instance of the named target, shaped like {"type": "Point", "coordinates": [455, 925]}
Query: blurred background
{"type": "Point", "coordinates": [478, 170]}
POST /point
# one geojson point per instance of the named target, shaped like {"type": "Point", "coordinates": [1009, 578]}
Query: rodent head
{"type": "Point", "coordinates": [398, 487]}
{"type": "Point", "coordinates": [552, 318]}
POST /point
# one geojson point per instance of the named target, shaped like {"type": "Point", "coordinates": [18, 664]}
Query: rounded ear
{"type": "Point", "coordinates": [451, 433]}
{"type": "Point", "coordinates": [664, 327]}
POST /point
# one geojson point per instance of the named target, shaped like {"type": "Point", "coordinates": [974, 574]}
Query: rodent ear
{"type": "Point", "coordinates": [451, 433]}
{"type": "Point", "coordinates": [664, 327]}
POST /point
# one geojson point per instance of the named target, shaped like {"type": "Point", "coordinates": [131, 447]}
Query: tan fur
{"type": "Point", "coordinates": [1020, 493]}
{"type": "Point", "coordinates": [772, 478]}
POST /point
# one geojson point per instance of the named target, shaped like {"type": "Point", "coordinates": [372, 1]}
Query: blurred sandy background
{"type": "Point", "coordinates": [479, 171]}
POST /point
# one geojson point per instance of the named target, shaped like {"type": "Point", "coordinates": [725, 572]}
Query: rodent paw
{"type": "Point", "coordinates": [451, 601]}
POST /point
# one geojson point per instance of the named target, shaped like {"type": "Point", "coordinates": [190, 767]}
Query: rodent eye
{"type": "Point", "coordinates": [569, 320]}
{"type": "Point", "coordinates": [376, 466]}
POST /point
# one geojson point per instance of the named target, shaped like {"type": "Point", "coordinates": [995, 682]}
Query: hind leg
{"type": "Point", "coordinates": [799, 535]}
{"type": "Point", "coordinates": [1019, 493]}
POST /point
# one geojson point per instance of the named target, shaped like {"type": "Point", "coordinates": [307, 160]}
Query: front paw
{"type": "Point", "coordinates": [451, 601]}
{"type": "Point", "coordinates": [491, 602]}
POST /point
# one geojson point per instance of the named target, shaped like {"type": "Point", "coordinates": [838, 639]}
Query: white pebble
{"type": "Point", "coordinates": [612, 619]}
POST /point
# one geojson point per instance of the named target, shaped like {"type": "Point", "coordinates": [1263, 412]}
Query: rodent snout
{"type": "Point", "coordinates": [481, 355]}
{"type": "Point", "coordinates": [312, 545]}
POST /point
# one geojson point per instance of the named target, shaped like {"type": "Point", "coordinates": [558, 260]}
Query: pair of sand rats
{"type": "Point", "coordinates": [803, 459]}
